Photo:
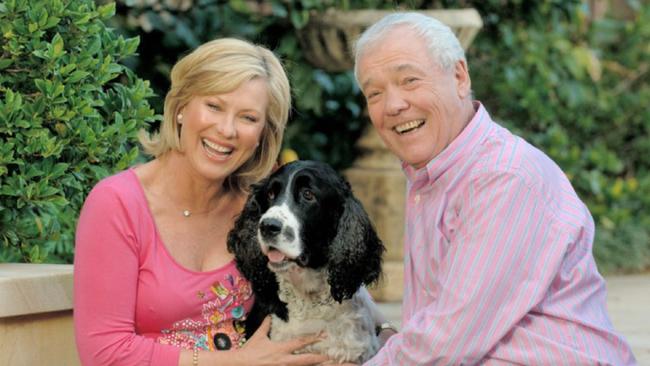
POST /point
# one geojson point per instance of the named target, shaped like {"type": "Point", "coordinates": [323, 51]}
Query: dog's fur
{"type": "Point", "coordinates": [307, 246]}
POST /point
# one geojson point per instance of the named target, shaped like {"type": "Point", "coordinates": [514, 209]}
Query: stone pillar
{"type": "Point", "coordinates": [377, 180]}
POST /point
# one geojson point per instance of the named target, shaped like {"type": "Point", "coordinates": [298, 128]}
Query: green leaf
{"type": "Point", "coordinates": [42, 19]}
{"type": "Point", "coordinates": [106, 11]}
{"type": "Point", "coordinates": [35, 253]}
{"type": "Point", "coordinates": [57, 89]}
{"type": "Point", "coordinates": [57, 46]}
{"type": "Point", "coordinates": [299, 18]}
{"type": "Point", "coordinates": [239, 5]}
{"type": "Point", "coordinates": [43, 86]}
{"type": "Point", "coordinates": [76, 76]}
{"type": "Point", "coordinates": [67, 69]}
{"type": "Point", "coordinates": [58, 170]}
{"type": "Point", "coordinates": [51, 22]}
{"type": "Point", "coordinates": [23, 123]}
{"type": "Point", "coordinates": [82, 19]}
{"type": "Point", "coordinates": [5, 62]}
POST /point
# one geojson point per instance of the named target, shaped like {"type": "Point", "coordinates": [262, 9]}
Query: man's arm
{"type": "Point", "coordinates": [498, 266]}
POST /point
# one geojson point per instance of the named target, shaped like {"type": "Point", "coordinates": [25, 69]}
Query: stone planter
{"type": "Point", "coordinates": [619, 9]}
{"type": "Point", "coordinates": [376, 176]}
{"type": "Point", "coordinates": [327, 39]}
{"type": "Point", "coordinates": [36, 315]}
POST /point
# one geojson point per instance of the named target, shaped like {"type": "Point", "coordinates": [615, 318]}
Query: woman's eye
{"type": "Point", "coordinates": [308, 195]}
{"type": "Point", "coordinates": [250, 118]}
{"type": "Point", "coordinates": [213, 106]}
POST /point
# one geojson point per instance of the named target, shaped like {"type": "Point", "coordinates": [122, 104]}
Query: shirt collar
{"type": "Point", "coordinates": [459, 148]}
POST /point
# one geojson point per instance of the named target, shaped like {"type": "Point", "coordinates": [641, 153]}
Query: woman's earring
{"type": "Point", "coordinates": [179, 118]}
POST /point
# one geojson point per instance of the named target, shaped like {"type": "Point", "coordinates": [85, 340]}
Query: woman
{"type": "Point", "coordinates": [154, 282]}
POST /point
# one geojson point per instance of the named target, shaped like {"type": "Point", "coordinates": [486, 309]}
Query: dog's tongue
{"type": "Point", "coordinates": [275, 256]}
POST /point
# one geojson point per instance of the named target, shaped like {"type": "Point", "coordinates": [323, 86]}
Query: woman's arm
{"type": "Point", "coordinates": [105, 286]}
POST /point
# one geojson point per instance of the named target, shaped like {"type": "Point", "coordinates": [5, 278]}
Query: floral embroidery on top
{"type": "Point", "coordinates": [221, 325]}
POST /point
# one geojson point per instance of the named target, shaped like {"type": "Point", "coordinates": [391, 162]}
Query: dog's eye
{"type": "Point", "coordinates": [308, 195]}
{"type": "Point", "coordinates": [271, 195]}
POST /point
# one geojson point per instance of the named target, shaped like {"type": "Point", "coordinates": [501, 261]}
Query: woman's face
{"type": "Point", "coordinates": [219, 133]}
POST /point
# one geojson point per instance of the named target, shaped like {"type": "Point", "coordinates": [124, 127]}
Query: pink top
{"type": "Point", "coordinates": [498, 262]}
{"type": "Point", "coordinates": [133, 303]}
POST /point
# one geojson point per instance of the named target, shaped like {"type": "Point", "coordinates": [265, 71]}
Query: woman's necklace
{"type": "Point", "coordinates": [188, 213]}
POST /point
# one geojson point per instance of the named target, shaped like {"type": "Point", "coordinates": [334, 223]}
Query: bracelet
{"type": "Point", "coordinates": [384, 326]}
{"type": "Point", "coordinates": [195, 357]}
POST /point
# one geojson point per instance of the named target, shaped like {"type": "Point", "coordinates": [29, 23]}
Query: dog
{"type": "Point", "coordinates": [308, 247]}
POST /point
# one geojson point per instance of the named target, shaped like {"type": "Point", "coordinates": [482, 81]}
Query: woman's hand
{"type": "Point", "coordinates": [260, 350]}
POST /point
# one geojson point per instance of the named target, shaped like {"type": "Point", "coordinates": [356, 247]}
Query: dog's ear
{"type": "Point", "coordinates": [242, 239]}
{"type": "Point", "coordinates": [251, 262]}
{"type": "Point", "coordinates": [355, 255]}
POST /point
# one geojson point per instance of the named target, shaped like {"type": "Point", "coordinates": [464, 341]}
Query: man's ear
{"type": "Point", "coordinates": [463, 81]}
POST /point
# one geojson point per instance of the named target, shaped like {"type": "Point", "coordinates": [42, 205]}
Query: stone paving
{"type": "Point", "coordinates": [628, 302]}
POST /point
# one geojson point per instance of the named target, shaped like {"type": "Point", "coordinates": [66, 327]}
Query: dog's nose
{"type": "Point", "coordinates": [270, 227]}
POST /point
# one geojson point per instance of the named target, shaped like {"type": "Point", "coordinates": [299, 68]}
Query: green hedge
{"type": "Point", "coordinates": [68, 117]}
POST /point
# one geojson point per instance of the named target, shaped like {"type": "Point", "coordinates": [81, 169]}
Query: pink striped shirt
{"type": "Point", "coordinates": [498, 262]}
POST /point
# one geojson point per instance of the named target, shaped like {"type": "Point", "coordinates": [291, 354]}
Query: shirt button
{"type": "Point", "coordinates": [416, 198]}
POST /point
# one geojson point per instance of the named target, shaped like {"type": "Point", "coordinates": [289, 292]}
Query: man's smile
{"type": "Point", "coordinates": [408, 126]}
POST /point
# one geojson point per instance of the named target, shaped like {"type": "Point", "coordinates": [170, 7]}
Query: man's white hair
{"type": "Point", "coordinates": [443, 45]}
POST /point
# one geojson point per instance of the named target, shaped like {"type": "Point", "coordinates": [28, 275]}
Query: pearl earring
{"type": "Point", "coordinates": [179, 117]}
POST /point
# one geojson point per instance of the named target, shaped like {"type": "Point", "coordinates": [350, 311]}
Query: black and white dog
{"type": "Point", "coordinates": [307, 246]}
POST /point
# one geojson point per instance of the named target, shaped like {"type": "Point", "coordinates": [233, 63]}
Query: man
{"type": "Point", "coordinates": [498, 246]}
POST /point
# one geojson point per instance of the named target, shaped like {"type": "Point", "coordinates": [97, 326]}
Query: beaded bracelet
{"type": "Point", "coordinates": [195, 357]}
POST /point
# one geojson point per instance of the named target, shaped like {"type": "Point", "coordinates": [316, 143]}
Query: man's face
{"type": "Point", "coordinates": [417, 107]}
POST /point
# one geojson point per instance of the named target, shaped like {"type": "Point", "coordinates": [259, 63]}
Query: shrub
{"type": "Point", "coordinates": [69, 113]}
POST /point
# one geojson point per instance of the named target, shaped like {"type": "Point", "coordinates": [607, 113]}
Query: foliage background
{"type": "Point", "coordinates": [575, 86]}
{"type": "Point", "coordinates": [69, 112]}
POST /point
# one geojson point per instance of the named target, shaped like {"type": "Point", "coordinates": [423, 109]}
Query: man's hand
{"type": "Point", "coordinates": [384, 335]}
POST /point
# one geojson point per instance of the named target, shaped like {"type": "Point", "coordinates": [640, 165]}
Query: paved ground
{"type": "Point", "coordinates": [628, 301]}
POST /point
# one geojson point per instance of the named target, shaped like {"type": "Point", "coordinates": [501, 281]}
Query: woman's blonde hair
{"type": "Point", "coordinates": [217, 67]}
